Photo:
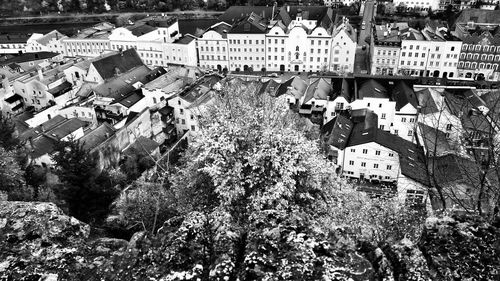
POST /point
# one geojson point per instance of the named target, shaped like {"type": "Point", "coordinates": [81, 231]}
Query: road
{"type": "Point", "coordinates": [361, 64]}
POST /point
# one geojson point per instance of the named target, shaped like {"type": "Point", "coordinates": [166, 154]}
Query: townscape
{"type": "Point", "coordinates": [404, 113]}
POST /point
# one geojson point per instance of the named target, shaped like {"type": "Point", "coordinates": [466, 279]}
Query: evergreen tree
{"type": "Point", "coordinates": [7, 131]}
{"type": "Point", "coordinates": [87, 191]}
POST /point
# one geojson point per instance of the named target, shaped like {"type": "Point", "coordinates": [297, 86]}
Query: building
{"type": "Point", "coordinates": [113, 65]}
{"type": "Point", "coordinates": [432, 52]}
{"type": "Point", "coordinates": [50, 42]}
{"type": "Point", "coordinates": [363, 151]}
{"type": "Point", "coordinates": [90, 42]}
{"type": "Point", "coordinates": [246, 43]}
{"type": "Point", "coordinates": [343, 48]}
{"type": "Point", "coordinates": [213, 50]}
{"type": "Point", "coordinates": [480, 56]}
{"type": "Point", "coordinates": [385, 48]}
{"type": "Point", "coordinates": [424, 5]}
{"type": "Point", "coordinates": [13, 43]}
{"type": "Point", "coordinates": [189, 104]}
{"type": "Point", "coordinates": [28, 61]}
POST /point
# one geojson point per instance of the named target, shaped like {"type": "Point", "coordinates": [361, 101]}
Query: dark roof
{"type": "Point", "coordinates": [479, 16]}
{"type": "Point", "coordinates": [131, 117]}
{"type": "Point", "coordinates": [48, 125]}
{"type": "Point", "coordinates": [365, 116]}
{"type": "Point", "coordinates": [403, 94]}
{"type": "Point", "coordinates": [166, 110]}
{"type": "Point", "coordinates": [319, 89]}
{"type": "Point", "coordinates": [251, 24]}
{"type": "Point", "coordinates": [131, 99]}
{"type": "Point", "coordinates": [451, 169]}
{"type": "Point", "coordinates": [372, 89]}
{"type": "Point", "coordinates": [434, 140]}
{"type": "Point", "coordinates": [13, 38]}
{"type": "Point", "coordinates": [186, 39]}
{"type": "Point", "coordinates": [14, 98]}
{"type": "Point", "coordinates": [140, 29]}
{"type": "Point", "coordinates": [97, 136]}
{"type": "Point", "coordinates": [42, 145]}
{"type": "Point", "coordinates": [45, 39]}
{"type": "Point", "coordinates": [222, 28]}
{"type": "Point", "coordinates": [120, 62]}
{"type": "Point", "coordinates": [141, 145]}
{"type": "Point", "coordinates": [426, 102]}
{"type": "Point", "coordinates": [61, 89]}
{"type": "Point", "coordinates": [67, 127]}
{"type": "Point", "coordinates": [270, 87]}
{"type": "Point", "coordinates": [26, 57]}
{"type": "Point", "coordinates": [337, 131]}
{"type": "Point", "coordinates": [235, 13]}
{"type": "Point", "coordinates": [315, 13]}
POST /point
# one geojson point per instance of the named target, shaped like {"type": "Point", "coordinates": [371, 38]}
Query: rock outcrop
{"type": "Point", "coordinates": [39, 242]}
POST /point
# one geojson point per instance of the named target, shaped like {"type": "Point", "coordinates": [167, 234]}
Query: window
{"type": "Point", "coordinates": [391, 154]}
{"type": "Point", "coordinates": [403, 119]}
{"type": "Point", "coordinates": [448, 127]}
{"type": "Point", "coordinates": [183, 122]}
{"type": "Point", "coordinates": [412, 120]}
{"type": "Point", "coordinates": [363, 164]}
{"type": "Point", "coordinates": [383, 116]}
{"type": "Point", "coordinates": [193, 128]}
{"type": "Point", "coordinates": [181, 111]}
{"type": "Point", "coordinates": [377, 152]}
{"type": "Point", "coordinates": [375, 166]}
{"type": "Point", "coordinates": [351, 162]}
{"type": "Point", "coordinates": [353, 150]}
{"type": "Point", "coordinates": [410, 133]}
{"type": "Point", "coordinates": [365, 151]}
{"type": "Point", "coordinates": [389, 167]}
{"type": "Point", "coordinates": [192, 117]}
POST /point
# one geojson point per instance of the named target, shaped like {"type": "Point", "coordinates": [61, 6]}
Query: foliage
{"type": "Point", "coordinates": [12, 180]}
{"type": "Point", "coordinates": [7, 130]}
{"type": "Point", "coordinates": [144, 206]}
{"type": "Point", "coordinates": [87, 191]}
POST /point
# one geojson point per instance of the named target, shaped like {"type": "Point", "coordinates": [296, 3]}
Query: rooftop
{"type": "Point", "coordinates": [94, 138]}
{"type": "Point", "coordinates": [14, 38]}
{"type": "Point", "coordinates": [479, 16]}
{"type": "Point", "coordinates": [319, 89]}
{"type": "Point", "coordinates": [120, 62]}
{"type": "Point", "coordinates": [186, 39]}
{"type": "Point", "coordinates": [45, 39]}
{"type": "Point", "coordinates": [372, 89]}
{"type": "Point", "coordinates": [26, 57]}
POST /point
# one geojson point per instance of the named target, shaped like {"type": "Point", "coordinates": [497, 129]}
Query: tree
{"type": "Point", "coordinates": [86, 191]}
{"type": "Point", "coordinates": [7, 130]}
{"type": "Point", "coordinates": [11, 176]}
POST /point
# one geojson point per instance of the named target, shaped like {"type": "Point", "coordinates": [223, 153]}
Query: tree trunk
{"type": "Point", "coordinates": [239, 257]}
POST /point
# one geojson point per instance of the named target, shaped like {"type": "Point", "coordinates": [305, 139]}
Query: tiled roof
{"type": "Point", "coordinates": [452, 169]}
{"type": "Point", "coordinates": [97, 136]}
{"type": "Point", "coordinates": [251, 24]}
{"type": "Point", "coordinates": [297, 85]}
{"type": "Point", "coordinates": [64, 87]}
{"type": "Point", "coordinates": [142, 145]}
{"type": "Point", "coordinates": [372, 89]}
{"type": "Point", "coordinates": [26, 57]}
{"type": "Point", "coordinates": [479, 16]}
{"type": "Point", "coordinates": [403, 94]}
{"type": "Point", "coordinates": [42, 145]}
{"type": "Point", "coordinates": [131, 99]}
{"type": "Point", "coordinates": [66, 128]}
{"type": "Point", "coordinates": [235, 13]}
{"type": "Point", "coordinates": [14, 98]}
{"type": "Point", "coordinates": [337, 131]}
{"type": "Point", "coordinates": [120, 62]}
{"type": "Point", "coordinates": [435, 141]}
{"type": "Point", "coordinates": [186, 39]}
{"type": "Point", "coordinates": [45, 39]}
{"type": "Point", "coordinates": [13, 38]}
{"type": "Point", "coordinates": [320, 89]}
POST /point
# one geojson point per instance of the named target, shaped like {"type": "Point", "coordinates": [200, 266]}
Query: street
{"type": "Point", "coordinates": [361, 64]}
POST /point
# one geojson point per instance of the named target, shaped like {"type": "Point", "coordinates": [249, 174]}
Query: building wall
{"type": "Point", "coordinates": [213, 51]}
{"type": "Point", "coordinates": [370, 161]}
{"type": "Point", "coordinates": [385, 59]}
{"type": "Point", "coordinates": [247, 50]}
{"type": "Point", "coordinates": [332, 107]}
{"type": "Point", "coordinates": [420, 5]}
{"type": "Point", "coordinates": [183, 54]}
{"type": "Point", "coordinates": [478, 59]}
{"type": "Point", "coordinates": [90, 47]}
{"type": "Point", "coordinates": [343, 49]}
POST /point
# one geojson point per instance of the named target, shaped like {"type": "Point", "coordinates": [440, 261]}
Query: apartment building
{"type": "Point", "coordinates": [385, 48]}
{"type": "Point", "coordinates": [422, 5]}
{"type": "Point", "coordinates": [13, 43]}
{"type": "Point", "coordinates": [213, 50]}
{"type": "Point", "coordinates": [343, 48]}
{"type": "Point", "coordinates": [190, 104]}
{"type": "Point", "coordinates": [363, 151]}
{"type": "Point", "coordinates": [50, 42]}
{"type": "Point", "coordinates": [89, 42]}
{"type": "Point", "coordinates": [246, 44]}
{"type": "Point", "coordinates": [432, 52]}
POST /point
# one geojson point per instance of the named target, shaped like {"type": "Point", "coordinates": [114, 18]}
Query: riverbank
{"type": "Point", "coordinates": [189, 21]}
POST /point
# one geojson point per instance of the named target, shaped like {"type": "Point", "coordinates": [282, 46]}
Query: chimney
{"type": "Point", "coordinates": [40, 73]}
{"type": "Point", "coordinates": [42, 128]}
{"type": "Point", "coordinates": [287, 9]}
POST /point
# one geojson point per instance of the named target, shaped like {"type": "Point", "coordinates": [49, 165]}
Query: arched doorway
{"type": "Point", "coordinates": [436, 74]}
{"type": "Point", "coordinates": [445, 74]}
{"type": "Point", "coordinates": [296, 68]}
{"type": "Point", "coordinates": [219, 67]}
{"type": "Point", "coordinates": [245, 67]}
{"type": "Point", "coordinates": [282, 67]}
{"type": "Point", "coordinates": [468, 75]}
